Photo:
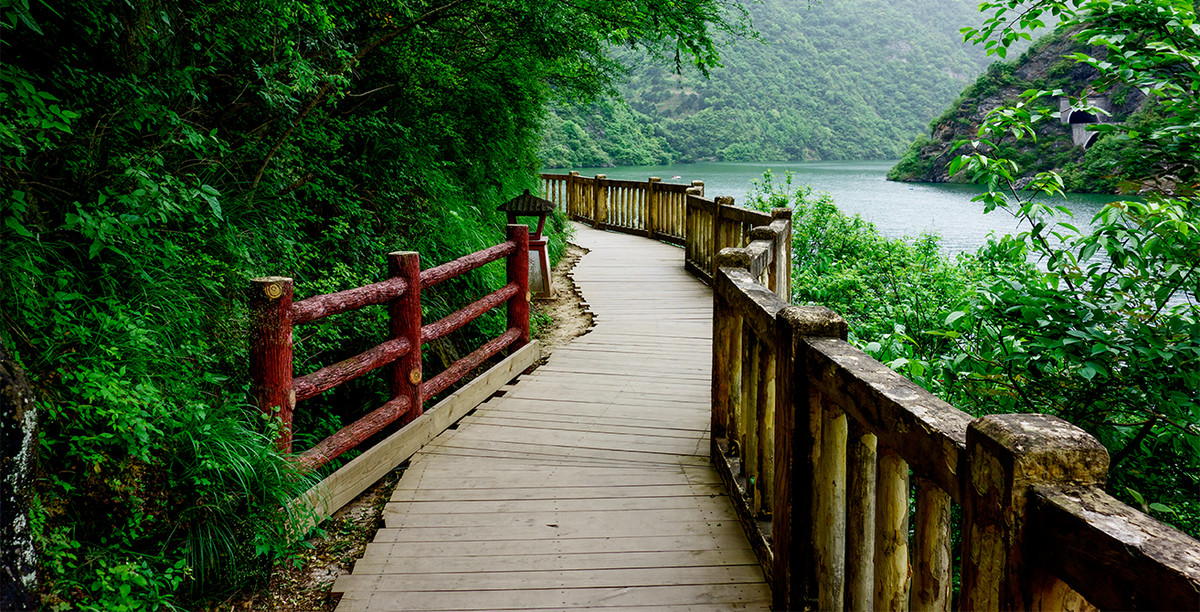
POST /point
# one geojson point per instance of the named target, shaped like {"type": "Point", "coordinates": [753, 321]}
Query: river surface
{"type": "Point", "coordinates": [860, 187]}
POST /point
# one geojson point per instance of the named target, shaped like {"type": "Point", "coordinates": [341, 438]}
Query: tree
{"type": "Point", "coordinates": [153, 155]}
{"type": "Point", "coordinates": [1105, 329]}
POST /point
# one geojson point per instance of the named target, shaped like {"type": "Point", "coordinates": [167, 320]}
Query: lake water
{"type": "Point", "coordinates": [898, 209]}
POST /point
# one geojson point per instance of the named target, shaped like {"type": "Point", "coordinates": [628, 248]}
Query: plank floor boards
{"type": "Point", "coordinates": [587, 485]}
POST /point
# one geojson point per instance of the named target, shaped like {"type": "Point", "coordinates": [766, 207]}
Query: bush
{"type": "Point", "coordinates": [890, 291]}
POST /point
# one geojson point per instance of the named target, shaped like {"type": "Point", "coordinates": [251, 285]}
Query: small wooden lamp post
{"type": "Point", "coordinates": [529, 205]}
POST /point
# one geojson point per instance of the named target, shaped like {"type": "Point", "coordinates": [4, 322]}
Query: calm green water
{"type": "Point", "coordinates": [898, 209]}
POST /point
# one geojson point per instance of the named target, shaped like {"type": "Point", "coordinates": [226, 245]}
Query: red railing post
{"type": "Point", "coordinates": [271, 352]}
{"type": "Point", "coordinates": [518, 272]}
{"type": "Point", "coordinates": [404, 314]}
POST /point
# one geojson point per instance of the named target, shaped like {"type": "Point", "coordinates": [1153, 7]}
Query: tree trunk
{"type": "Point", "coordinates": [18, 443]}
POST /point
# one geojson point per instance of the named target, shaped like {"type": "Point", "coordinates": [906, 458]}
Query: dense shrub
{"type": "Point", "coordinates": [155, 155]}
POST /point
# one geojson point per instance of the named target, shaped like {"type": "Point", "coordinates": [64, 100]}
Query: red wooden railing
{"type": "Point", "coordinates": [273, 315]}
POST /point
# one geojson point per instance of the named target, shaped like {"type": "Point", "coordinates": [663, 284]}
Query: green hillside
{"type": "Point", "coordinates": [1048, 66]}
{"type": "Point", "coordinates": [840, 79]}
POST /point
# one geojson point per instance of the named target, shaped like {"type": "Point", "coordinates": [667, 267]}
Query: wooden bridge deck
{"type": "Point", "coordinates": [588, 484]}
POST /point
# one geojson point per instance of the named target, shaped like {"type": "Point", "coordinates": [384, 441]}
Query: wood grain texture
{"type": "Point", "coordinates": [465, 264]}
{"type": "Point", "coordinates": [588, 483]}
{"type": "Point", "coordinates": [321, 306]}
{"type": "Point", "coordinates": [892, 575]}
{"type": "Point", "coordinates": [1142, 564]}
{"type": "Point", "coordinates": [466, 314]}
{"type": "Point", "coordinates": [348, 369]}
{"type": "Point", "coordinates": [271, 320]}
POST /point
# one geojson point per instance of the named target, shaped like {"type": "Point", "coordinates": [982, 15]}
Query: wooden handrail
{"type": "Point", "coordinates": [273, 316]}
{"type": "Point", "coordinates": [348, 369]}
{"type": "Point", "coordinates": [823, 447]}
{"type": "Point", "coordinates": [321, 306]}
{"type": "Point", "coordinates": [652, 209]}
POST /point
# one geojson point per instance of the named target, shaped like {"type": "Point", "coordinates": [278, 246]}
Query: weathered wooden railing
{"type": "Point", "coordinates": [818, 442]}
{"type": "Point", "coordinates": [716, 224]}
{"type": "Point", "coordinates": [670, 212]}
{"type": "Point", "coordinates": [652, 209]}
{"type": "Point", "coordinates": [273, 315]}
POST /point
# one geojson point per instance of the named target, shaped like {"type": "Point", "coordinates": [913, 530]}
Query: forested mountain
{"type": "Point", "coordinates": [839, 79]}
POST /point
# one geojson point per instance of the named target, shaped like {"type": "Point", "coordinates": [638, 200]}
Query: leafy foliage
{"type": "Point", "coordinates": [1106, 330]}
{"type": "Point", "coordinates": [154, 155]}
{"type": "Point", "coordinates": [1099, 325]}
{"type": "Point", "coordinates": [891, 291]}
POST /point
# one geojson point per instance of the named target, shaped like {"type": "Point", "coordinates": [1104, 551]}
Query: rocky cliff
{"type": "Point", "coordinates": [1062, 145]}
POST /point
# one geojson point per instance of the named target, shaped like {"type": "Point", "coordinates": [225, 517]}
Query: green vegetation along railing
{"type": "Point", "coordinates": [273, 316]}
{"type": "Point", "coordinates": [820, 445]}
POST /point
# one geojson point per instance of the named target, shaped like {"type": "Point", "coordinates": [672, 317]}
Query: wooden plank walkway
{"type": "Point", "coordinates": [588, 484]}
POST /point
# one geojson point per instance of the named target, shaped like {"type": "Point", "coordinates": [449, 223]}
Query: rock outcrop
{"type": "Point", "coordinates": [1059, 143]}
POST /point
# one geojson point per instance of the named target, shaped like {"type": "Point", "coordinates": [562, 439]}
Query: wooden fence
{"type": "Point", "coordinates": [273, 315]}
{"type": "Point", "coordinates": [671, 212]}
{"type": "Point", "coordinates": [823, 448]}
{"type": "Point", "coordinates": [652, 209]}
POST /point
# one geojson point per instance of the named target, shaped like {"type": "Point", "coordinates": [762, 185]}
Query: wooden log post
{"type": "Point", "coordinates": [770, 234]}
{"type": "Point", "coordinates": [700, 186]}
{"type": "Point", "coordinates": [652, 212]}
{"type": "Point", "coordinates": [932, 569]}
{"type": "Point", "coordinates": [794, 573]}
{"type": "Point", "coordinates": [1007, 455]}
{"type": "Point", "coordinates": [573, 194]}
{"type": "Point", "coordinates": [677, 216]}
{"type": "Point", "coordinates": [715, 238]}
{"type": "Point", "coordinates": [829, 530]}
{"type": "Point", "coordinates": [861, 458]}
{"type": "Point", "coordinates": [727, 372]}
{"type": "Point", "coordinates": [764, 487]}
{"type": "Point", "coordinates": [518, 272]}
{"type": "Point", "coordinates": [599, 201]}
{"type": "Point", "coordinates": [783, 255]}
{"type": "Point", "coordinates": [270, 303]}
{"type": "Point", "coordinates": [404, 321]}
{"type": "Point", "coordinates": [18, 475]}
{"type": "Point", "coordinates": [891, 533]}
{"type": "Point", "coordinates": [747, 429]}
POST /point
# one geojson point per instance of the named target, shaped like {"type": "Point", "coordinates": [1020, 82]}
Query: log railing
{"type": "Point", "coordinates": [715, 224]}
{"type": "Point", "coordinates": [653, 209]}
{"type": "Point", "coordinates": [823, 448]}
{"type": "Point", "coordinates": [273, 315]}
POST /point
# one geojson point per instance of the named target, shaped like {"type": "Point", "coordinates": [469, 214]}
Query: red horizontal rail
{"type": "Point", "coordinates": [463, 366]}
{"type": "Point", "coordinates": [465, 264]}
{"type": "Point", "coordinates": [274, 314]}
{"type": "Point", "coordinates": [351, 368]}
{"type": "Point", "coordinates": [351, 435]}
{"type": "Point", "coordinates": [321, 306]}
{"type": "Point", "coordinates": [454, 321]}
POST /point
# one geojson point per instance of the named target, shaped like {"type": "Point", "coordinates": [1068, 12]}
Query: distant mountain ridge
{"type": "Point", "coordinates": [839, 79]}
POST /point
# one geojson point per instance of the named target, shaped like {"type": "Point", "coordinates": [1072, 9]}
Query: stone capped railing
{"type": "Point", "coordinates": [825, 450]}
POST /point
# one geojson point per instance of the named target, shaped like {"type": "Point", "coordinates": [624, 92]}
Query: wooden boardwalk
{"type": "Point", "coordinates": [588, 484]}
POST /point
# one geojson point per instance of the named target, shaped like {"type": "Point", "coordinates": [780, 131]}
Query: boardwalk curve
{"type": "Point", "coordinates": [588, 484]}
